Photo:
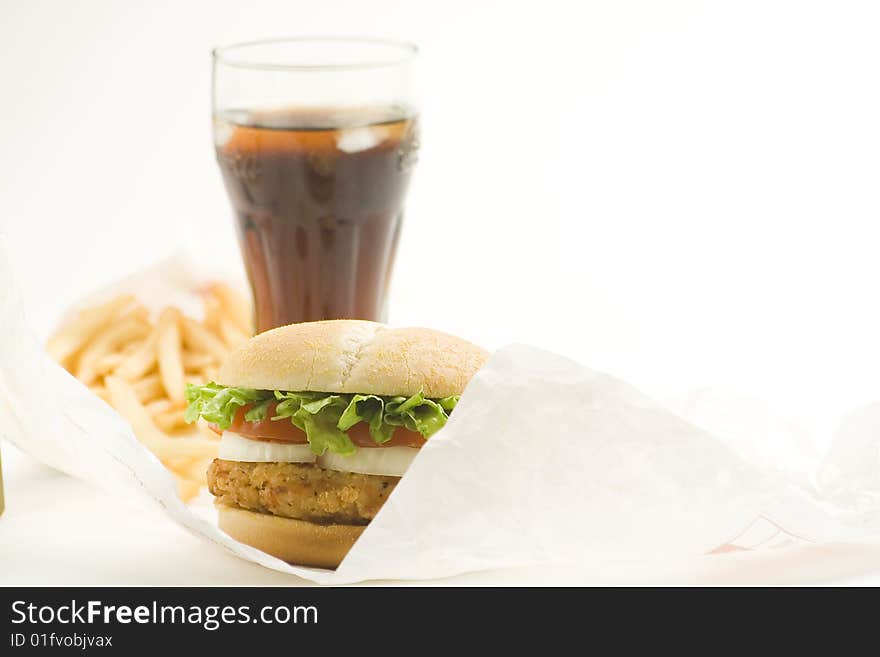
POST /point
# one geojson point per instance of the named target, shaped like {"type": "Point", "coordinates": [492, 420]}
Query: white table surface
{"type": "Point", "coordinates": [60, 531]}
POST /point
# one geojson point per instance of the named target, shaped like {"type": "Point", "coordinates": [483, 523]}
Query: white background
{"type": "Point", "coordinates": [680, 193]}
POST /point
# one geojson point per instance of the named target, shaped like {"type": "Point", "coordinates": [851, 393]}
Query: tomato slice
{"type": "Point", "coordinates": [284, 431]}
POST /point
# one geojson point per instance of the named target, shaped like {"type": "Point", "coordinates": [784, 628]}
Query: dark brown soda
{"type": "Point", "coordinates": [318, 198]}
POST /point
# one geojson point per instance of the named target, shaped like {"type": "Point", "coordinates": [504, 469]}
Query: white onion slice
{"type": "Point", "coordinates": [234, 447]}
{"type": "Point", "coordinates": [388, 461]}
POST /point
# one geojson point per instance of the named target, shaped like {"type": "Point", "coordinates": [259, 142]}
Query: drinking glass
{"type": "Point", "coordinates": [316, 140]}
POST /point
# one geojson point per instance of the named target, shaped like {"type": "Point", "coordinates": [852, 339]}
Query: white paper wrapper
{"type": "Point", "coordinates": [544, 461]}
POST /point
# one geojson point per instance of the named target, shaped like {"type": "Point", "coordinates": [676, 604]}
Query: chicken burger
{"type": "Point", "coordinates": [318, 422]}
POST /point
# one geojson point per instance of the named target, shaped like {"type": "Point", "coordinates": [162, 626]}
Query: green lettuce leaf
{"type": "Point", "coordinates": [369, 409]}
{"type": "Point", "coordinates": [258, 412]}
{"type": "Point", "coordinates": [324, 417]}
{"type": "Point", "coordinates": [448, 403]}
{"type": "Point", "coordinates": [320, 420]}
{"type": "Point", "coordinates": [218, 404]}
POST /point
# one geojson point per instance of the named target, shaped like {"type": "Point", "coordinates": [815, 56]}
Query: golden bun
{"type": "Point", "coordinates": [350, 356]}
{"type": "Point", "coordinates": [295, 541]}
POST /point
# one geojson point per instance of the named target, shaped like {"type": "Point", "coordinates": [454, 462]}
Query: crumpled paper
{"type": "Point", "coordinates": [543, 462]}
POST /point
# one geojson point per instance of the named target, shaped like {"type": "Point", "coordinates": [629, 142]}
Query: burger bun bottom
{"type": "Point", "coordinates": [295, 541]}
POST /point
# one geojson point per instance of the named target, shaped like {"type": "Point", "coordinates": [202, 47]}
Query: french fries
{"type": "Point", "coordinates": [158, 406]}
{"type": "Point", "coordinates": [141, 360]}
{"type": "Point", "coordinates": [68, 340]}
{"type": "Point", "coordinates": [111, 339]}
{"type": "Point", "coordinates": [109, 363]}
{"type": "Point", "coordinates": [140, 367]}
{"type": "Point", "coordinates": [232, 335]}
{"type": "Point", "coordinates": [148, 388]}
{"type": "Point", "coordinates": [170, 420]}
{"type": "Point", "coordinates": [168, 353]}
{"type": "Point", "coordinates": [197, 338]}
{"type": "Point", "coordinates": [195, 362]}
{"type": "Point", "coordinates": [232, 306]}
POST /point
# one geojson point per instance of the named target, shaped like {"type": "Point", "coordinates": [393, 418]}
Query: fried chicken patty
{"type": "Point", "coordinates": [300, 490]}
